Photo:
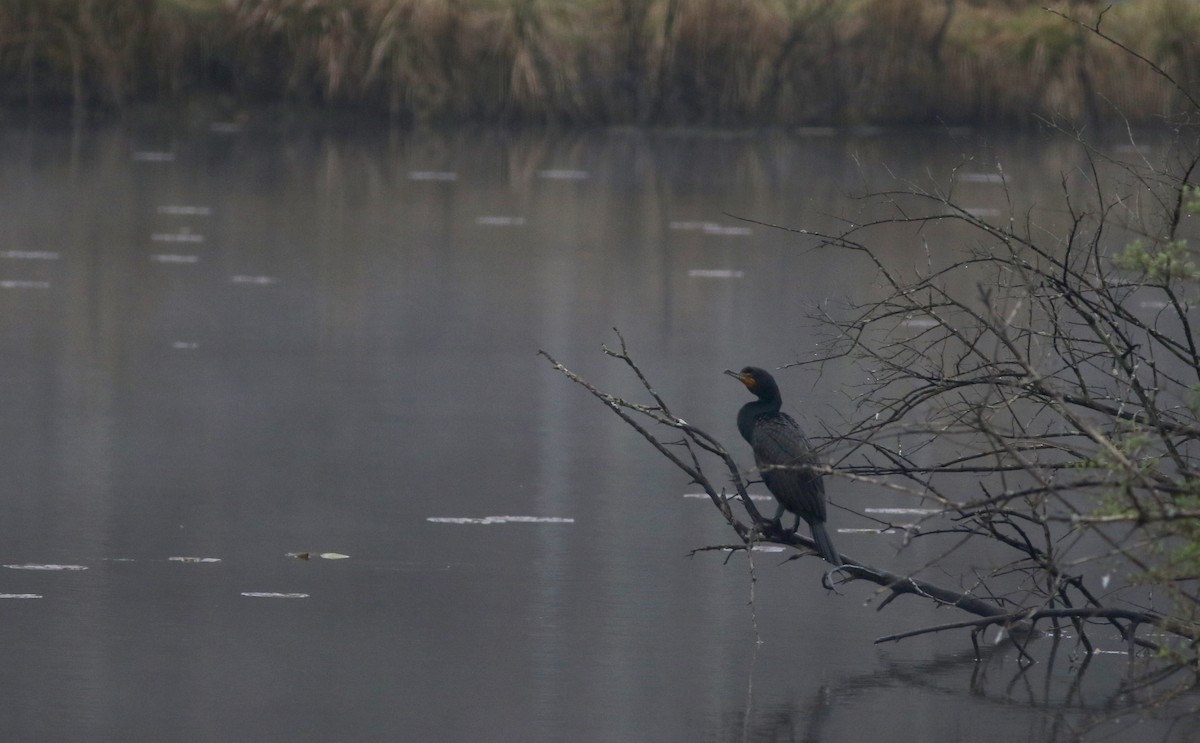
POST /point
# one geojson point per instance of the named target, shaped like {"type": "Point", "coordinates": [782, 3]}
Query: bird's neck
{"type": "Point", "coordinates": [752, 411]}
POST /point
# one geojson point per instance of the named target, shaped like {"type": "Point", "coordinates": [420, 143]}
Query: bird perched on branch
{"type": "Point", "coordinates": [784, 457]}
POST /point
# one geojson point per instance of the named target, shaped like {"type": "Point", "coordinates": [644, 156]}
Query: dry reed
{"type": "Point", "coordinates": [682, 62]}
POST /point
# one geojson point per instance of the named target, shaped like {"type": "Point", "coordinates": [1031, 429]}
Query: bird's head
{"type": "Point", "coordinates": [758, 381]}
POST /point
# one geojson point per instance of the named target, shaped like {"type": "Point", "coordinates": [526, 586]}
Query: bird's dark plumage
{"type": "Point", "coordinates": [784, 457]}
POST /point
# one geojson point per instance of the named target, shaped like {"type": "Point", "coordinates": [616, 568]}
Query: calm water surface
{"type": "Point", "coordinates": [236, 345]}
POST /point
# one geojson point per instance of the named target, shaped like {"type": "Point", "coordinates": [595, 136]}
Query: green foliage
{"type": "Point", "coordinates": [1191, 199]}
{"type": "Point", "coordinates": [1162, 263]}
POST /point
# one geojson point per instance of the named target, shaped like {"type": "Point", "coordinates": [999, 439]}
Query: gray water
{"type": "Point", "coordinates": [223, 347]}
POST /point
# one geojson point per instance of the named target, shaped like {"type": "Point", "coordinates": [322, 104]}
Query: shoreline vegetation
{"type": "Point", "coordinates": [606, 62]}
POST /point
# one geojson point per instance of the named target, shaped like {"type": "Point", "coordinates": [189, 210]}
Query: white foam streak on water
{"type": "Point", "coordinates": [712, 228]}
{"type": "Point", "coordinates": [20, 596]}
{"type": "Point", "coordinates": [34, 566]}
{"type": "Point", "coordinates": [174, 258]}
{"type": "Point", "coordinates": [195, 559]}
{"type": "Point", "coordinates": [29, 255]}
{"type": "Point", "coordinates": [186, 211]}
{"type": "Point", "coordinates": [432, 175]}
{"type": "Point", "coordinates": [150, 156]}
{"type": "Point", "coordinates": [904, 511]}
{"type": "Point", "coordinates": [500, 221]}
{"type": "Point", "coordinates": [274, 595]}
{"type": "Point", "coordinates": [714, 273]}
{"type": "Point", "coordinates": [499, 520]}
{"type": "Point", "coordinates": [716, 229]}
{"type": "Point", "coordinates": [259, 280]}
{"type": "Point", "coordinates": [558, 174]}
{"type": "Point", "coordinates": [23, 284]}
{"type": "Point", "coordinates": [183, 236]}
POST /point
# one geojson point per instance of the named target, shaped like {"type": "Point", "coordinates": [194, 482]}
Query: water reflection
{"type": "Point", "coordinates": [951, 696]}
{"type": "Point", "coordinates": [244, 343]}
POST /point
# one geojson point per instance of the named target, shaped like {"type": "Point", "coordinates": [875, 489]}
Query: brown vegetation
{"type": "Point", "coordinates": [782, 62]}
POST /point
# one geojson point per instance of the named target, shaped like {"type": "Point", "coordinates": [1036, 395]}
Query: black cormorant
{"type": "Point", "coordinates": [784, 457]}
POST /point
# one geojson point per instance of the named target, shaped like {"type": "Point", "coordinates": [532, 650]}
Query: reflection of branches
{"type": "Point", "coordinates": [1090, 699]}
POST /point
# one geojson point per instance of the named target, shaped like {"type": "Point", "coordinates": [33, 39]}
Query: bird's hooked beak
{"type": "Point", "coordinates": [745, 379]}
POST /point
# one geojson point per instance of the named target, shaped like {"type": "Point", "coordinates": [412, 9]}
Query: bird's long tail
{"type": "Point", "coordinates": [825, 544]}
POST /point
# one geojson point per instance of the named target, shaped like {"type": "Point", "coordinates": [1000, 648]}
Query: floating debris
{"type": "Point", "coordinates": [183, 236]}
{"type": "Point", "coordinates": [273, 595]}
{"type": "Point", "coordinates": [432, 175]}
{"type": "Point", "coordinates": [753, 496]}
{"type": "Point", "coordinates": [22, 284]}
{"type": "Point", "coordinates": [868, 531]}
{"type": "Point", "coordinates": [500, 520]}
{"type": "Point", "coordinates": [716, 229]}
{"type": "Point", "coordinates": [712, 228]}
{"type": "Point", "coordinates": [29, 255]}
{"type": "Point", "coordinates": [259, 280]}
{"type": "Point", "coordinates": [501, 221]}
{"type": "Point", "coordinates": [173, 258]}
{"type": "Point", "coordinates": [323, 555]}
{"type": "Point", "coordinates": [20, 596]}
{"type": "Point", "coordinates": [194, 559]}
{"type": "Point", "coordinates": [151, 156]}
{"type": "Point", "coordinates": [557, 174]}
{"type": "Point", "coordinates": [714, 273]}
{"type": "Point", "coordinates": [183, 210]}
{"type": "Point", "coordinates": [33, 566]}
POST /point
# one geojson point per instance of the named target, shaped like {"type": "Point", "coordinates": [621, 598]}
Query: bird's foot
{"type": "Point", "coordinates": [827, 580]}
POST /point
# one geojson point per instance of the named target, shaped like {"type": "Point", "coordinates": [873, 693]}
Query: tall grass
{"type": "Point", "coordinates": [724, 62]}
